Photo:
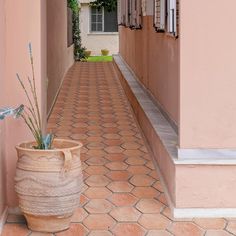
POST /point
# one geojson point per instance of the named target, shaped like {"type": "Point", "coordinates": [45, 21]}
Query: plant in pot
{"type": "Point", "coordinates": [48, 179]}
{"type": "Point", "coordinates": [105, 52]}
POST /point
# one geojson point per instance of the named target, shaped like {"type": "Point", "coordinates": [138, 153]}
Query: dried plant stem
{"type": "Point", "coordinates": [34, 88]}
{"type": "Point", "coordinates": [32, 110]}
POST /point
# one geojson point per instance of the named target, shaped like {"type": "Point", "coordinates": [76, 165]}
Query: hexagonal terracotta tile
{"type": "Point", "coordinates": [115, 157]}
{"type": "Point", "coordinates": [149, 206]}
{"type": "Point", "coordinates": [145, 192]}
{"type": "Point", "coordinates": [118, 175]}
{"type": "Point", "coordinates": [97, 193]}
{"type": "Point", "coordinates": [97, 181]}
{"type": "Point", "coordinates": [116, 165]}
{"type": "Point", "coordinates": [98, 206]}
{"type": "Point", "coordinates": [217, 233]}
{"type": "Point", "coordinates": [135, 161]}
{"type": "Point", "coordinates": [98, 161]}
{"type": "Point", "coordinates": [95, 145]}
{"type": "Point", "coordinates": [112, 136]}
{"type": "Point", "coordinates": [154, 221]}
{"type": "Point", "coordinates": [99, 222]}
{"type": "Point", "coordinates": [114, 149]}
{"type": "Point", "coordinates": [96, 170]}
{"type": "Point", "coordinates": [157, 185]}
{"type": "Point", "coordinates": [125, 214]}
{"type": "Point", "coordinates": [158, 233]}
{"type": "Point", "coordinates": [79, 215]}
{"type": "Point", "coordinates": [96, 153]}
{"type": "Point", "coordinates": [75, 229]}
{"type": "Point", "coordinates": [15, 229]}
{"type": "Point", "coordinates": [120, 186]}
{"type": "Point", "coordinates": [131, 145]}
{"type": "Point", "coordinates": [100, 233]}
{"type": "Point", "coordinates": [138, 170]}
{"type": "Point", "coordinates": [123, 199]}
{"type": "Point", "coordinates": [212, 224]}
{"type": "Point", "coordinates": [128, 229]}
{"type": "Point", "coordinates": [142, 180]}
{"type": "Point", "coordinates": [232, 226]}
{"type": "Point", "coordinates": [186, 229]}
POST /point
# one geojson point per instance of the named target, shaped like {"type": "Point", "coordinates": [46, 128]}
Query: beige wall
{"type": "Point", "coordinates": [59, 56]}
{"type": "Point", "coordinates": [24, 23]}
{"type": "Point", "coordinates": [2, 130]}
{"type": "Point", "coordinates": [96, 41]}
{"type": "Point", "coordinates": [154, 58]}
{"type": "Point", "coordinates": [208, 74]}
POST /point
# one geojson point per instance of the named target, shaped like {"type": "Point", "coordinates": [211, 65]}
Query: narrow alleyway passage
{"type": "Point", "coordinates": [122, 195]}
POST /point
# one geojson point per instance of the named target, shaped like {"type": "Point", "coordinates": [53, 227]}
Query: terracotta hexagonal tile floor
{"type": "Point", "coordinates": [122, 195]}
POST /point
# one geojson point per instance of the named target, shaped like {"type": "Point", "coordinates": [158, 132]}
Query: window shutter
{"type": "Point", "coordinates": [127, 12]}
{"type": "Point", "coordinates": [133, 13]}
{"type": "Point", "coordinates": [138, 14]}
{"type": "Point", "coordinates": [172, 17]}
{"type": "Point", "coordinates": [160, 15]}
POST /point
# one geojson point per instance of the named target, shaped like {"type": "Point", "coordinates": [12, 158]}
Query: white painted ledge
{"type": "Point", "coordinates": [166, 130]}
{"type": "Point", "coordinates": [204, 213]}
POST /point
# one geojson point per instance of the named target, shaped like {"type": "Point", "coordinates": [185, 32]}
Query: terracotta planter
{"type": "Point", "coordinates": [48, 184]}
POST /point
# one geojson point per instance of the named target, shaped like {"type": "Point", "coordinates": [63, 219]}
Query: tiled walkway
{"type": "Point", "coordinates": [123, 195]}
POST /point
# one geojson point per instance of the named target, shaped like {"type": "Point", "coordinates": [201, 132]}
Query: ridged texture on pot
{"type": "Point", "coordinates": [48, 183]}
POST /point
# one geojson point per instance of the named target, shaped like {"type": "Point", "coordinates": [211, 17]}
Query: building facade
{"type": "Point", "coordinates": [178, 69]}
{"type": "Point", "coordinates": [99, 29]}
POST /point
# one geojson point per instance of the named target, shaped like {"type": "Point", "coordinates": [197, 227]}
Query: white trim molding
{"type": "Point", "coordinates": [208, 156]}
{"type": "Point", "coordinates": [3, 219]}
{"type": "Point", "coordinates": [204, 212]}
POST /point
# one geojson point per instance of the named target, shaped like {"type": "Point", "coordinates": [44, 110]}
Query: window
{"type": "Point", "coordinates": [130, 13]}
{"type": "Point", "coordinates": [160, 15]}
{"type": "Point", "coordinates": [103, 21]}
{"type": "Point", "coordinates": [172, 17]}
{"type": "Point", "coordinates": [166, 16]}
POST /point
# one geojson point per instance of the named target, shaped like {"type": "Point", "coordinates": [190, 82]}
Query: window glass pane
{"type": "Point", "coordinates": [99, 27]}
{"type": "Point", "coordinates": [99, 18]}
{"type": "Point", "coordinates": [93, 18]}
{"type": "Point", "coordinates": [110, 21]}
{"type": "Point", "coordinates": [93, 10]}
{"type": "Point", "coordinates": [93, 27]}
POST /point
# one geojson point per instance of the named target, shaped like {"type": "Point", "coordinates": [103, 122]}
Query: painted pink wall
{"type": "Point", "coordinates": [59, 56]}
{"type": "Point", "coordinates": [24, 23]}
{"type": "Point", "coordinates": [207, 74]}
{"type": "Point", "coordinates": [154, 58]}
{"type": "Point", "coordinates": [2, 125]}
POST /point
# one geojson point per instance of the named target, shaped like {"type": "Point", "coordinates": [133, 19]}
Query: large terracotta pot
{"type": "Point", "coordinates": [48, 184]}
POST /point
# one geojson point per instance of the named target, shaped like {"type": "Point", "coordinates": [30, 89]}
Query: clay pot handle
{"type": "Point", "coordinates": [67, 162]}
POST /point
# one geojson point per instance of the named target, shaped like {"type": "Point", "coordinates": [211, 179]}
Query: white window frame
{"type": "Point", "coordinates": [172, 17]}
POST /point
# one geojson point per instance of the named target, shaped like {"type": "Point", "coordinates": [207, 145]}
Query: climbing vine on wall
{"type": "Point", "coordinates": [79, 50]}
{"type": "Point", "coordinates": [109, 5]}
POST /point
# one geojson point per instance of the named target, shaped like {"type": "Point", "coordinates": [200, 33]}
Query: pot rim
{"type": "Point", "coordinates": [76, 146]}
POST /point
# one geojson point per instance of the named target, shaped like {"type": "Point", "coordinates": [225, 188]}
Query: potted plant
{"type": "Point", "coordinates": [48, 177]}
{"type": "Point", "coordinates": [87, 53]}
{"type": "Point", "coordinates": [105, 52]}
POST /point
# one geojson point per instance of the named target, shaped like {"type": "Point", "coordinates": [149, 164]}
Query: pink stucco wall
{"type": "Point", "coordinates": [2, 128]}
{"type": "Point", "coordinates": [207, 74]}
{"type": "Point", "coordinates": [25, 23]}
{"type": "Point", "coordinates": [154, 58]}
{"type": "Point", "coordinates": [59, 56]}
